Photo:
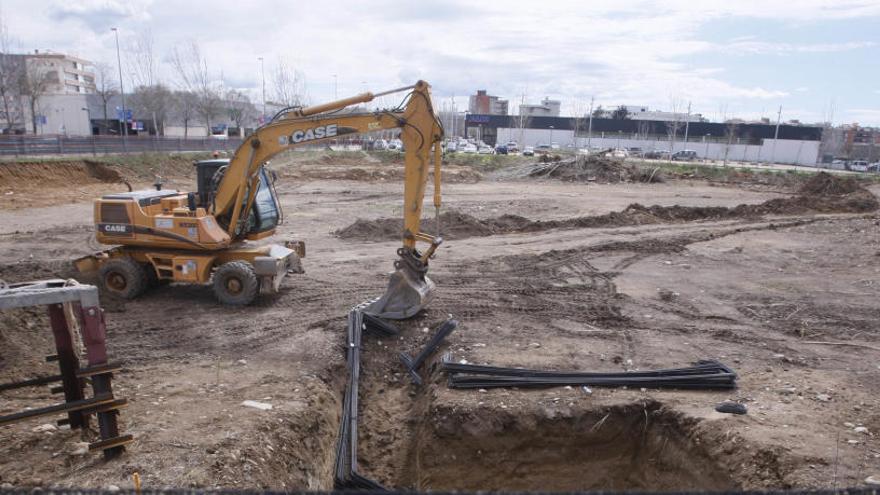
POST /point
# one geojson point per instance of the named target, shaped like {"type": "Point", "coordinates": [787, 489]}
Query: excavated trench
{"type": "Point", "coordinates": [628, 447]}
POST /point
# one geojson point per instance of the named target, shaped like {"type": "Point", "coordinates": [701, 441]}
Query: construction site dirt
{"type": "Point", "coordinates": [780, 285]}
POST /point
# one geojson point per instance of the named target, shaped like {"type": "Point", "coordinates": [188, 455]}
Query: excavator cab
{"type": "Point", "coordinates": [265, 213]}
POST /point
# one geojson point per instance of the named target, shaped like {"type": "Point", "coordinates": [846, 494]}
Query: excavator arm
{"type": "Point", "coordinates": [421, 133]}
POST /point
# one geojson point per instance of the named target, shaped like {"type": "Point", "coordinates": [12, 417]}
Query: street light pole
{"type": "Point", "coordinates": [590, 128]}
{"type": "Point", "coordinates": [121, 93]}
{"type": "Point", "coordinates": [263, 75]}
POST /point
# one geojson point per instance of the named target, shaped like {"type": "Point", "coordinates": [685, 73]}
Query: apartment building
{"type": "Point", "coordinates": [67, 74]}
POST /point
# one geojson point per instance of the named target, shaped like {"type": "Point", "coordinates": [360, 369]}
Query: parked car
{"type": "Point", "coordinates": [617, 153]}
{"type": "Point", "coordinates": [657, 154]}
{"type": "Point", "coordinates": [528, 151]}
{"type": "Point", "coordinates": [838, 165]}
{"type": "Point", "coordinates": [512, 147]}
{"type": "Point", "coordinates": [637, 152]}
{"type": "Point", "coordinates": [684, 156]}
{"type": "Point", "coordinates": [380, 145]}
{"type": "Point", "coordinates": [874, 167]}
{"type": "Point", "coordinates": [451, 146]}
{"type": "Point", "coordinates": [485, 150]}
{"type": "Point", "coordinates": [468, 148]}
{"type": "Point", "coordinates": [501, 149]}
{"type": "Point", "coordinates": [859, 165]}
{"type": "Point", "coordinates": [543, 149]}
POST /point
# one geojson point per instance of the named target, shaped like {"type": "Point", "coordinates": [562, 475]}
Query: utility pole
{"type": "Point", "coordinates": [263, 76]}
{"type": "Point", "coordinates": [121, 93]}
{"type": "Point", "coordinates": [522, 101]}
{"type": "Point", "coordinates": [590, 126]}
{"type": "Point", "coordinates": [776, 136]}
{"type": "Point", "coordinates": [687, 125]}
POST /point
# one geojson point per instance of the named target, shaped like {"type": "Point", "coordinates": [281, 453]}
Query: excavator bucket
{"type": "Point", "coordinates": [409, 290]}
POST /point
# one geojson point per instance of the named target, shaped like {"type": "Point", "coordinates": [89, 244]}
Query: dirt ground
{"type": "Point", "coordinates": [754, 291]}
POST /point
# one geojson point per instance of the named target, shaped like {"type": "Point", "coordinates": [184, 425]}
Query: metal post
{"type": "Point", "coordinates": [121, 93]}
{"type": "Point", "coordinates": [68, 363]}
{"type": "Point", "coordinates": [590, 128]}
{"type": "Point", "coordinates": [687, 124]}
{"type": "Point", "coordinates": [263, 75]}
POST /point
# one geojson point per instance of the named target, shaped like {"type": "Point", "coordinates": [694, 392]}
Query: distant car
{"type": "Point", "coordinates": [485, 150]}
{"type": "Point", "coordinates": [617, 153]}
{"type": "Point", "coordinates": [468, 148]}
{"type": "Point", "coordinates": [543, 149]}
{"type": "Point", "coordinates": [874, 167]}
{"type": "Point", "coordinates": [451, 146]}
{"type": "Point", "coordinates": [858, 166]}
{"type": "Point", "coordinates": [684, 156]}
{"type": "Point", "coordinates": [380, 145]}
{"type": "Point", "coordinates": [634, 151]}
{"type": "Point", "coordinates": [501, 149]}
{"type": "Point", "coordinates": [838, 165]}
{"type": "Point", "coordinates": [512, 147]}
{"type": "Point", "coordinates": [657, 154]}
{"type": "Point", "coordinates": [528, 151]}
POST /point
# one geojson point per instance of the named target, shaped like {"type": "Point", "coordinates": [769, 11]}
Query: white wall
{"type": "Point", "coordinates": [64, 115]}
{"type": "Point", "coordinates": [192, 131]}
{"type": "Point", "coordinates": [789, 151]}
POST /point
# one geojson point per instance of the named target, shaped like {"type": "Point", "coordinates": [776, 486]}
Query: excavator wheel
{"type": "Point", "coordinates": [123, 277]}
{"type": "Point", "coordinates": [235, 283]}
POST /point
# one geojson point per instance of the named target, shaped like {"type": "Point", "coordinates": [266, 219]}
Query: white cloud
{"type": "Point", "coordinates": [637, 52]}
{"type": "Point", "coordinates": [762, 48]}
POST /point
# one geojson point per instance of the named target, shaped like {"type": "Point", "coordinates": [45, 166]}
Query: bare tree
{"type": "Point", "coordinates": [34, 82]}
{"type": "Point", "coordinates": [730, 132]}
{"type": "Point", "coordinates": [193, 75]}
{"type": "Point", "coordinates": [184, 104]}
{"type": "Point", "coordinates": [288, 85]}
{"type": "Point", "coordinates": [676, 123]}
{"type": "Point", "coordinates": [105, 86]}
{"type": "Point", "coordinates": [11, 67]}
{"type": "Point", "coordinates": [643, 129]}
{"type": "Point", "coordinates": [141, 60]}
{"type": "Point", "coordinates": [239, 108]}
{"type": "Point", "coordinates": [153, 102]}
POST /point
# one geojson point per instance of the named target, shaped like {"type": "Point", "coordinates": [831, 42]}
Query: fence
{"type": "Point", "coordinates": [54, 145]}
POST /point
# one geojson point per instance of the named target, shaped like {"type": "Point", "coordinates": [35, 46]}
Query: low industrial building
{"type": "Point", "coordinates": [796, 144]}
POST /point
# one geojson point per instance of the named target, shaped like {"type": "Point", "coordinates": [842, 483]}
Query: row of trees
{"type": "Point", "coordinates": [190, 93]}
{"type": "Point", "coordinates": [181, 88]}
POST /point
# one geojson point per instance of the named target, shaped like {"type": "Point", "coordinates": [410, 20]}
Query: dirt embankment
{"type": "Point", "coordinates": [823, 193]}
{"type": "Point", "coordinates": [361, 166]}
{"type": "Point", "coordinates": [50, 182]}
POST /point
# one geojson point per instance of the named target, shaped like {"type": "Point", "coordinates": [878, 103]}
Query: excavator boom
{"type": "Point", "coordinates": [238, 203]}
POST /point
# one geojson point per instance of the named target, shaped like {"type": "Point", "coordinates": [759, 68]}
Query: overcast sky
{"type": "Point", "coordinates": [728, 58]}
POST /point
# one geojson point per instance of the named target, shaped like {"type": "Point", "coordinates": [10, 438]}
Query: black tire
{"type": "Point", "coordinates": [122, 277]}
{"type": "Point", "coordinates": [235, 283]}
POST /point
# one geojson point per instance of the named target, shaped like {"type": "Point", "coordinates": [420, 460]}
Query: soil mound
{"type": "Point", "coordinates": [593, 168]}
{"type": "Point", "coordinates": [825, 184]}
{"type": "Point", "coordinates": [27, 175]}
{"type": "Point", "coordinates": [454, 225]}
{"type": "Point", "coordinates": [458, 225]}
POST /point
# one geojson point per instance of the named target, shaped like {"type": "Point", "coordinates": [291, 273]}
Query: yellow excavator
{"type": "Point", "coordinates": [207, 236]}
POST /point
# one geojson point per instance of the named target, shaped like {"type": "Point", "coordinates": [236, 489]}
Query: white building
{"type": "Point", "coordinates": [547, 108]}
